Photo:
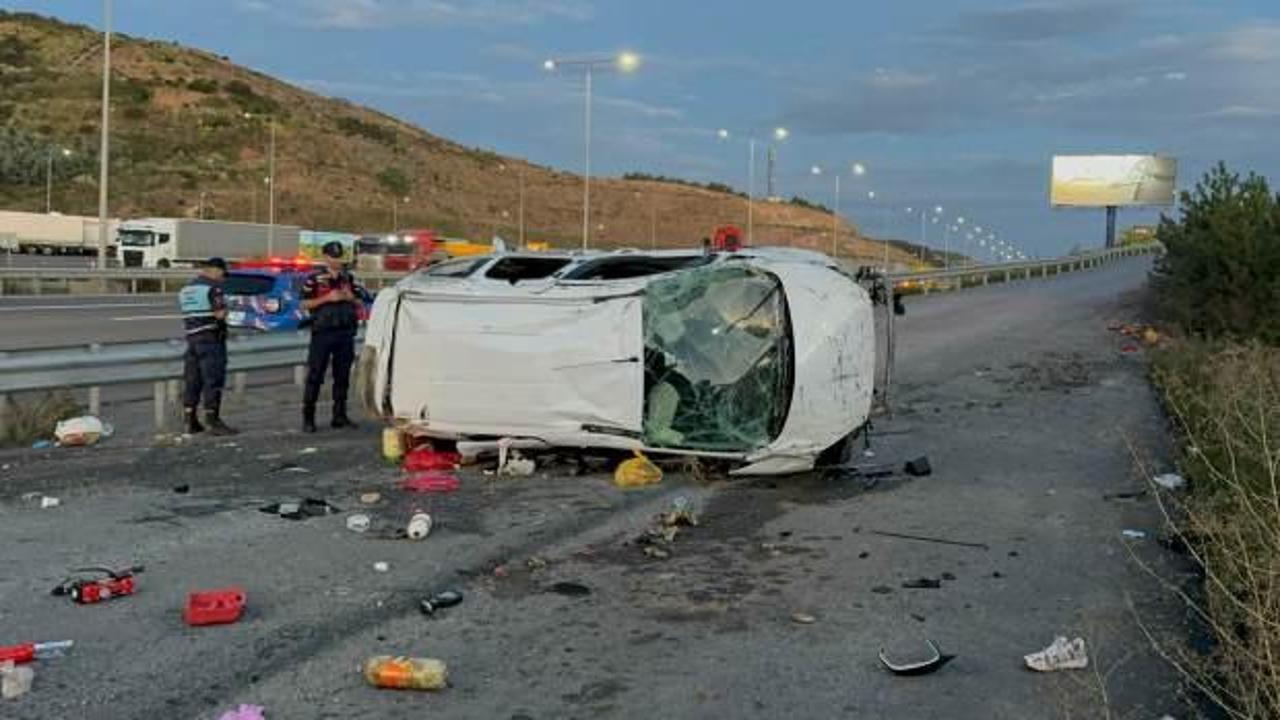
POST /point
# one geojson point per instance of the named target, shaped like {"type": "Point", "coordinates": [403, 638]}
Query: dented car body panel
{"type": "Point", "coordinates": [764, 357]}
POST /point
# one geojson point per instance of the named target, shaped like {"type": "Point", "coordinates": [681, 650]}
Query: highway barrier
{"type": "Point", "coordinates": [73, 281]}
{"type": "Point", "coordinates": [160, 363]}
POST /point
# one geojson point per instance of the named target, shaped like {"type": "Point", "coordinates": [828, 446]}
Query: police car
{"type": "Point", "coordinates": [266, 295]}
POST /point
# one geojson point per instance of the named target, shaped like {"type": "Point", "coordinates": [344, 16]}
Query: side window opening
{"type": "Point", "coordinates": [515, 269]}
{"type": "Point", "coordinates": [621, 268]}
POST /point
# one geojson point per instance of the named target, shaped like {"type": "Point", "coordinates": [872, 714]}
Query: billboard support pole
{"type": "Point", "coordinates": [1111, 226]}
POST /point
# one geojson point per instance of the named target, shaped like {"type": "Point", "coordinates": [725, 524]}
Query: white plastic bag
{"type": "Point", "coordinates": [85, 430]}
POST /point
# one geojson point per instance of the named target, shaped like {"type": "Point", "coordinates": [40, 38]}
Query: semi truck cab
{"type": "Point", "coordinates": [146, 243]}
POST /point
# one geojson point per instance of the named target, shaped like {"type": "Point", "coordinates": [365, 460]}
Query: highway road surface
{"type": "Point", "coordinates": [774, 606]}
{"type": "Point", "coordinates": [60, 321]}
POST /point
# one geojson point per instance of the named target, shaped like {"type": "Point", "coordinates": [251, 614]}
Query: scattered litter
{"type": "Point", "coordinates": [370, 498]}
{"type": "Point", "coordinates": [228, 445]}
{"type": "Point", "coordinates": [917, 667]}
{"type": "Point", "coordinates": [919, 467]}
{"type": "Point", "coordinates": [656, 552]}
{"type": "Point", "coordinates": [438, 601]}
{"type": "Point", "coordinates": [917, 617]}
{"type": "Point", "coordinates": [882, 589]}
{"type": "Point", "coordinates": [1062, 654]}
{"type": "Point", "coordinates": [244, 712]}
{"type": "Point", "coordinates": [803, 618]}
{"type": "Point", "coordinates": [1170, 481]}
{"type": "Point", "coordinates": [434, 481]}
{"type": "Point", "coordinates": [405, 673]}
{"type": "Point", "coordinates": [306, 508]}
{"type": "Point", "coordinates": [182, 489]}
{"type": "Point", "coordinates": [516, 465]}
{"type": "Point", "coordinates": [997, 574]}
{"type": "Point", "coordinates": [950, 576]}
{"type": "Point", "coordinates": [635, 472]}
{"type": "Point", "coordinates": [27, 652]}
{"type": "Point", "coordinates": [269, 456]}
{"type": "Point", "coordinates": [925, 538]}
{"type": "Point", "coordinates": [381, 566]}
{"type": "Point", "coordinates": [666, 526]}
{"type": "Point", "coordinates": [570, 589]}
{"type": "Point", "coordinates": [1129, 349]}
{"type": "Point", "coordinates": [1127, 495]}
{"type": "Point", "coordinates": [214, 607]}
{"type": "Point", "coordinates": [48, 501]}
{"type": "Point", "coordinates": [288, 467]}
{"type": "Point", "coordinates": [101, 584]}
{"type": "Point", "coordinates": [1134, 534]}
{"type": "Point", "coordinates": [358, 523]}
{"type": "Point", "coordinates": [42, 445]}
{"type": "Point", "coordinates": [85, 430]}
{"type": "Point", "coordinates": [536, 563]}
{"type": "Point", "coordinates": [923, 583]}
{"type": "Point", "coordinates": [419, 526]}
{"type": "Point", "coordinates": [392, 445]}
{"type": "Point", "coordinates": [15, 681]}
{"type": "Point", "coordinates": [425, 458]}
{"type": "Point", "coordinates": [500, 571]}
{"type": "Point", "coordinates": [869, 453]}
{"type": "Point", "coordinates": [308, 451]}
{"type": "Point", "coordinates": [1150, 337]}
{"type": "Point", "coordinates": [864, 555]}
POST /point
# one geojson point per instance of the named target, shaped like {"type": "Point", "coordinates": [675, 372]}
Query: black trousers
{"type": "Point", "coordinates": [204, 370]}
{"type": "Point", "coordinates": [338, 345]}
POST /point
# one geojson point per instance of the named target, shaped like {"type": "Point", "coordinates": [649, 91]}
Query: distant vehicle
{"type": "Point", "coordinates": [397, 252]}
{"type": "Point", "coordinates": [727, 238]}
{"type": "Point", "coordinates": [177, 242]}
{"type": "Point", "coordinates": [40, 234]}
{"type": "Point", "coordinates": [266, 295]}
{"type": "Point", "coordinates": [763, 359]}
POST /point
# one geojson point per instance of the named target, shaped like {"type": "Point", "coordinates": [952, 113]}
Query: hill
{"type": "Point", "coordinates": [190, 130]}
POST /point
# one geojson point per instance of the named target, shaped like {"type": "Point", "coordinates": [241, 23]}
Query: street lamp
{"type": "Point", "coordinates": [270, 181]}
{"type": "Point", "coordinates": [624, 62]}
{"type": "Point", "coordinates": [104, 151]}
{"type": "Point", "coordinates": [395, 213]}
{"type": "Point", "coordinates": [520, 207]}
{"type": "Point", "coordinates": [724, 135]}
{"type": "Point", "coordinates": [48, 179]}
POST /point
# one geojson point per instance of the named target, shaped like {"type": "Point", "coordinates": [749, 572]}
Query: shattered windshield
{"type": "Point", "coordinates": [718, 359]}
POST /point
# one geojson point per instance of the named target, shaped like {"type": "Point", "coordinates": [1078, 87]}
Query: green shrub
{"type": "Point", "coordinates": [355, 127]}
{"type": "Point", "coordinates": [1220, 275]}
{"type": "Point", "coordinates": [208, 86]}
{"type": "Point", "coordinates": [395, 181]}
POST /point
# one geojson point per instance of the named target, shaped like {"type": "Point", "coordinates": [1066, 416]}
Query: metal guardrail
{"type": "Point", "coordinates": [43, 280]}
{"type": "Point", "coordinates": [160, 363]}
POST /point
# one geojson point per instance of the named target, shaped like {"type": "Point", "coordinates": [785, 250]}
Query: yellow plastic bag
{"type": "Point", "coordinates": [392, 445]}
{"type": "Point", "coordinates": [639, 471]}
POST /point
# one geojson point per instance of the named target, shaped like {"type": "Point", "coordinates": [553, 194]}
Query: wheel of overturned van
{"type": "Point", "coordinates": [366, 382]}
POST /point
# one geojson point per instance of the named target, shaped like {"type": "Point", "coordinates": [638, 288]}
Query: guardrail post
{"type": "Point", "coordinates": [300, 371]}
{"type": "Point", "coordinates": [161, 416]}
{"type": "Point", "coordinates": [985, 278]}
{"type": "Point", "coordinates": [133, 286]}
{"type": "Point", "coordinates": [95, 400]}
{"type": "Point", "coordinates": [172, 391]}
{"type": "Point", "coordinates": [4, 416]}
{"type": "Point", "coordinates": [238, 382]}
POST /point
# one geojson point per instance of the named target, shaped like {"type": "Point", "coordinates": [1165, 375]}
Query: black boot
{"type": "Point", "coordinates": [340, 419]}
{"type": "Point", "coordinates": [213, 419]}
{"type": "Point", "coordinates": [193, 421]}
{"type": "Point", "coordinates": [308, 418]}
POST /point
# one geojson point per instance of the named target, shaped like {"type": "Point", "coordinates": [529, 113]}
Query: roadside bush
{"type": "Point", "coordinates": [1226, 406]}
{"type": "Point", "coordinates": [395, 181]}
{"type": "Point", "coordinates": [34, 419]}
{"type": "Point", "coordinates": [355, 127]}
{"type": "Point", "coordinates": [208, 86]}
{"type": "Point", "coordinates": [250, 101]}
{"type": "Point", "coordinates": [1220, 275]}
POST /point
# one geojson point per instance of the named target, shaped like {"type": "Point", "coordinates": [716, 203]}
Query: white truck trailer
{"type": "Point", "coordinates": [178, 242]}
{"type": "Point", "coordinates": [37, 233]}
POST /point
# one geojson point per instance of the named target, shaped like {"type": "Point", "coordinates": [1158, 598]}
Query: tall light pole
{"type": "Point", "coordinates": [521, 210]}
{"type": "Point", "coordinates": [395, 212]}
{"type": "Point", "coordinates": [104, 152]}
{"type": "Point", "coordinates": [48, 179]}
{"type": "Point", "coordinates": [271, 190]}
{"type": "Point", "coordinates": [779, 134]}
{"type": "Point", "coordinates": [623, 62]}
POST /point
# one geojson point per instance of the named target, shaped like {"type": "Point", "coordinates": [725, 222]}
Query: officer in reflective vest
{"type": "Point", "coordinates": [333, 298]}
{"type": "Point", "coordinates": [204, 317]}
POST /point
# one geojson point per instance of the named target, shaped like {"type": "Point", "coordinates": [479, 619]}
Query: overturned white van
{"type": "Point", "coordinates": [763, 358]}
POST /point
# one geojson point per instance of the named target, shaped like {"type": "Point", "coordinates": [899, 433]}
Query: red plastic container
{"type": "Point", "coordinates": [424, 458]}
{"type": "Point", "coordinates": [214, 607]}
{"type": "Point", "coordinates": [431, 481]}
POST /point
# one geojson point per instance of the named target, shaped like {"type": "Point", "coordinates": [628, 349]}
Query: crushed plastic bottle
{"type": "Point", "coordinates": [419, 526]}
{"type": "Point", "coordinates": [15, 681]}
{"type": "Point", "coordinates": [404, 673]}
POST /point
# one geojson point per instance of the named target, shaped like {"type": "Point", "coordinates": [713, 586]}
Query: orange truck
{"type": "Point", "coordinates": [727, 238]}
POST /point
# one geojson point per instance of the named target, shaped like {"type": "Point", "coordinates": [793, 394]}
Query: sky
{"type": "Point", "coordinates": [952, 103]}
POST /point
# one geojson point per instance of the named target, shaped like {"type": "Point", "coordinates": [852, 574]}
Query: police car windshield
{"type": "Point", "coordinates": [238, 284]}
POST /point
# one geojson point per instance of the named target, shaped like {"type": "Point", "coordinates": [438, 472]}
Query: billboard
{"type": "Point", "coordinates": [1107, 180]}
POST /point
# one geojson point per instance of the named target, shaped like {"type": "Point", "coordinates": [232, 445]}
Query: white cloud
{"type": "Point", "coordinates": [1175, 76]}
{"type": "Point", "coordinates": [889, 79]}
{"type": "Point", "coordinates": [1259, 42]}
{"type": "Point", "coordinates": [377, 14]}
{"type": "Point", "coordinates": [1242, 112]}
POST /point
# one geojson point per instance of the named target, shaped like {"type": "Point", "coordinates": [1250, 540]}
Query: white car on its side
{"type": "Point", "coordinates": [763, 358]}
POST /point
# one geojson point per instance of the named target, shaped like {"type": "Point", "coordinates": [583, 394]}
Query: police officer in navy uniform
{"type": "Point", "coordinates": [204, 317]}
{"type": "Point", "coordinates": [332, 297]}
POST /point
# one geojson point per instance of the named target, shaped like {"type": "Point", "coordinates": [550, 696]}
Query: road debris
{"type": "Point", "coordinates": [85, 430]}
{"type": "Point", "coordinates": [917, 667]}
{"type": "Point", "coordinates": [1062, 654]}
{"type": "Point", "coordinates": [370, 498]}
{"type": "Point", "coordinates": [570, 589]}
{"type": "Point", "coordinates": [42, 445]}
{"type": "Point", "coordinates": [182, 489]}
{"type": "Point", "coordinates": [1170, 481]}
{"type": "Point", "coordinates": [424, 457]}
{"type": "Point", "coordinates": [358, 523]}
{"type": "Point", "coordinates": [244, 712]}
{"type": "Point", "coordinates": [287, 467]}
{"type": "Point", "coordinates": [214, 607]}
{"type": "Point", "coordinates": [635, 472]}
{"type": "Point", "coordinates": [308, 451]}
{"type": "Point", "coordinates": [923, 583]}
{"type": "Point", "coordinates": [103, 584]}
{"type": "Point", "coordinates": [381, 566]}
{"type": "Point", "coordinates": [919, 467]}
{"type": "Point", "coordinates": [926, 538]}
{"type": "Point", "coordinates": [1126, 495]}
{"type": "Point", "coordinates": [403, 673]}
{"type": "Point", "coordinates": [1134, 534]}
{"type": "Point", "coordinates": [439, 601]}
{"type": "Point", "coordinates": [431, 481]}
{"type": "Point", "coordinates": [662, 533]}
{"type": "Point", "coordinates": [419, 526]}
{"type": "Point", "coordinates": [15, 680]}
{"type": "Point", "coordinates": [48, 501]}
{"type": "Point", "coordinates": [30, 652]}
{"type": "Point", "coordinates": [803, 618]}
{"type": "Point", "coordinates": [301, 510]}
{"type": "Point", "coordinates": [515, 464]}
{"type": "Point", "coordinates": [882, 589]}
{"type": "Point", "coordinates": [951, 576]}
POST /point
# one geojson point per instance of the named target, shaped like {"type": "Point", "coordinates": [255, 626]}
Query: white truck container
{"type": "Point", "coordinates": [52, 234]}
{"type": "Point", "coordinates": [177, 242]}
